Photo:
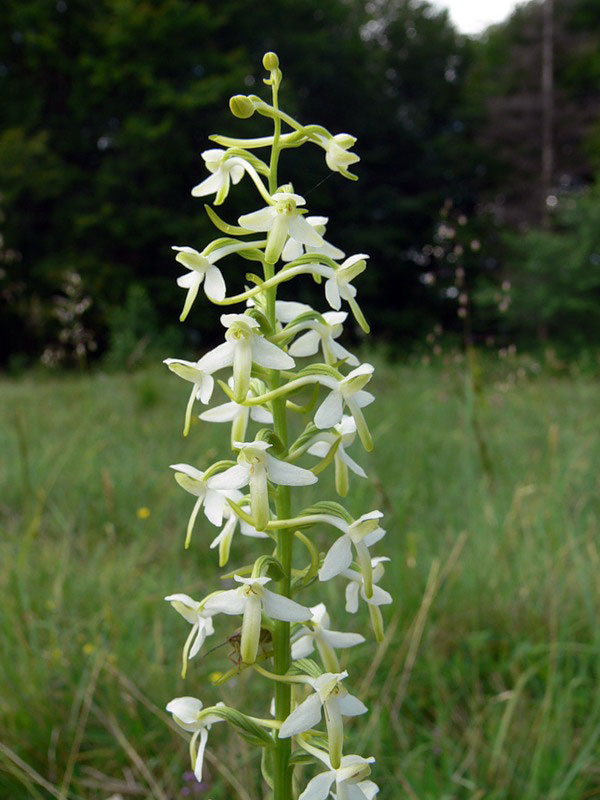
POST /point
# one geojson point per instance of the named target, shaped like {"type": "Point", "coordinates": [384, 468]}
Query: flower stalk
{"type": "Point", "coordinates": [286, 642]}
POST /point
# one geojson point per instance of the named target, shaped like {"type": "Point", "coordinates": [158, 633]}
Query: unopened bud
{"type": "Point", "coordinates": [270, 61]}
{"type": "Point", "coordinates": [241, 106]}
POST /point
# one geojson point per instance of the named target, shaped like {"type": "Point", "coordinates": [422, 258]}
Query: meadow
{"type": "Point", "coordinates": [487, 681]}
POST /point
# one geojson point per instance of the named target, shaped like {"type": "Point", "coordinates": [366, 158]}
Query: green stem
{"type": "Point", "coordinates": [282, 774]}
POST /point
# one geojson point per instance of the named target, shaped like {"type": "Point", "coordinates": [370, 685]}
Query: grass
{"type": "Point", "coordinates": [487, 683]}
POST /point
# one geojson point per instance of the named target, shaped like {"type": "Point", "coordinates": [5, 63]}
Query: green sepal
{"type": "Point", "coordinates": [217, 243]}
{"type": "Point", "coordinates": [326, 461]}
{"type": "Point", "coordinates": [265, 325]}
{"type": "Point", "coordinates": [257, 163]}
{"type": "Point", "coordinates": [329, 507]}
{"type": "Point", "coordinates": [268, 566]}
{"type": "Point", "coordinates": [300, 758]}
{"type": "Point", "coordinates": [218, 466]}
{"type": "Point", "coordinates": [269, 435]}
{"type": "Point", "coordinates": [232, 230]}
{"type": "Point", "coordinates": [320, 369]}
{"type": "Point", "coordinates": [308, 575]}
{"type": "Point", "coordinates": [308, 407]}
{"type": "Point", "coordinates": [249, 730]}
{"type": "Point", "coordinates": [305, 666]}
{"type": "Point", "coordinates": [309, 432]}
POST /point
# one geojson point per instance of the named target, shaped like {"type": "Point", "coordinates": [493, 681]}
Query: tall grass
{"type": "Point", "coordinates": [488, 686]}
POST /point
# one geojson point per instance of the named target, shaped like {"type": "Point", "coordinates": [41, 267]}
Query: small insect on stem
{"type": "Point", "coordinates": [265, 646]}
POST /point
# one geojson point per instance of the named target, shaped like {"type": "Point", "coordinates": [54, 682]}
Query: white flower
{"type": "Point", "coordinates": [325, 640]}
{"type": "Point", "coordinates": [239, 415]}
{"type": "Point", "coordinates": [348, 778]}
{"type": "Point", "coordinates": [361, 534]}
{"type": "Point", "coordinates": [200, 374]}
{"type": "Point", "coordinates": [336, 148]}
{"type": "Point", "coordinates": [349, 392]}
{"type": "Point", "coordinates": [280, 220]}
{"type": "Point", "coordinates": [251, 600]}
{"type": "Point", "coordinates": [245, 346]}
{"type": "Point", "coordinates": [334, 698]}
{"type": "Point", "coordinates": [323, 334]}
{"type": "Point", "coordinates": [223, 540]}
{"type": "Point", "coordinates": [199, 619]}
{"type": "Point", "coordinates": [224, 171]}
{"type": "Point", "coordinates": [213, 499]}
{"type": "Point", "coordinates": [294, 249]}
{"type": "Point", "coordinates": [344, 433]}
{"type": "Point", "coordinates": [255, 466]}
{"type": "Point", "coordinates": [338, 286]}
{"type": "Point", "coordinates": [185, 711]}
{"type": "Point", "coordinates": [357, 586]}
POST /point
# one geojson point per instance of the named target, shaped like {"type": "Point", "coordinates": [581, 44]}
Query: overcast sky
{"type": "Point", "coordinates": [472, 16]}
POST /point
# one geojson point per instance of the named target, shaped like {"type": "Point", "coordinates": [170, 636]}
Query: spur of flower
{"type": "Point", "coordinates": [255, 467]}
{"type": "Point", "coordinates": [186, 713]}
{"type": "Point", "coordinates": [317, 633]}
{"type": "Point", "coordinates": [213, 499]}
{"type": "Point", "coordinates": [348, 779]}
{"type": "Point", "coordinates": [281, 220]}
{"type": "Point", "coordinates": [251, 600]}
{"type": "Point", "coordinates": [332, 698]}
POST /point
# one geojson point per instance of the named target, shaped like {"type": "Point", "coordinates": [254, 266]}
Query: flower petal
{"type": "Point", "coordinates": [267, 354]}
{"type": "Point", "coordinates": [337, 559]}
{"type": "Point", "coordinates": [230, 602]}
{"type": "Point", "coordinates": [284, 474]}
{"type": "Point", "coordinates": [303, 232]}
{"type": "Point", "coordinates": [351, 706]}
{"type": "Point", "coordinates": [302, 718]}
{"type": "Point", "coordinates": [214, 284]}
{"type": "Point", "coordinates": [277, 606]}
{"type": "Point", "coordinates": [330, 411]}
{"type": "Point", "coordinates": [260, 220]}
{"type": "Point", "coordinates": [233, 478]}
{"type": "Point", "coordinates": [306, 345]}
{"type": "Point", "coordinates": [318, 788]}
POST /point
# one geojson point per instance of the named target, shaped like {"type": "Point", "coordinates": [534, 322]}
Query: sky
{"type": "Point", "coordinates": [472, 16]}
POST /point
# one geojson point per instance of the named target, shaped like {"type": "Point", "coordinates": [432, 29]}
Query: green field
{"type": "Point", "coordinates": [487, 685]}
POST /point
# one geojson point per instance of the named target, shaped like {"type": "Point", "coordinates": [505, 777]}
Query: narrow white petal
{"type": "Point", "coordinates": [351, 706]}
{"type": "Point", "coordinates": [214, 285]}
{"type": "Point", "coordinates": [342, 640]}
{"type": "Point", "coordinates": [330, 411]}
{"type": "Point", "coordinates": [233, 478]}
{"type": "Point", "coordinates": [356, 468]}
{"type": "Point", "coordinates": [214, 503]}
{"type": "Point", "coordinates": [260, 220]}
{"type": "Point", "coordinates": [223, 413]}
{"type": "Point", "coordinates": [277, 606]}
{"type": "Point", "coordinates": [318, 788]}
{"type": "Point", "coordinates": [303, 647]}
{"type": "Point", "coordinates": [259, 414]}
{"type": "Point", "coordinates": [302, 232]}
{"type": "Point", "coordinates": [219, 358]}
{"type": "Point", "coordinates": [303, 718]}
{"type": "Point", "coordinates": [306, 345]}
{"type": "Point", "coordinates": [209, 185]}
{"type": "Point", "coordinates": [352, 590]}
{"type": "Point", "coordinates": [332, 293]}
{"type": "Point", "coordinates": [230, 602]}
{"type": "Point", "coordinates": [200, 755]}
{"type": "Point", "coordinates": [267, 354]}
{"type": "Point", "coordinates": [285, 474]}
{"type": "Point", "coordinates": [337, 559]}
{"type": "Point", "coordinates": [185, 708]}
{"type": "Point", "coordinates": [292, 250]}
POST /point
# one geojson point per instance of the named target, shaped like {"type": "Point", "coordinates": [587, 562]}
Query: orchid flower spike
{"type": "Point", "coordinates": [251, 600]}
{"type": "Point", "coordinates": [214, 500]}
{"type": "Point", "coordinates": [224, 539]}
{"type": "Point", "coordinates": [280, 220]}
{"type": "Point", "coordinates": [337, 702]}
{"type": "Point", "coordinates": [349, 392]}
{"type": "Point", "coordinates": [294, 249]}
{"type": "Point", "coordinates": [200, 620]}
{"type": "Point", "coordinates": [245, 346]}
{"type": "Point", "coordinates": [344, 433]}
{"type": "Point", "coordinates": [185, 711]}
{"type": "Point", "coordinates": [361, 534]}
{"type": "Point", "coordinates": [239, 415]}
{"type": "Point", "coordinates": [317, 633]}
{"type": "Point", "coordinates": [255, 466]}
{"type": "Point", "coordinates": [349, 779]}
{"type": "Point", "coordinates": [225, 170]}
{"type": "Point", "coordinates": [323, 334]}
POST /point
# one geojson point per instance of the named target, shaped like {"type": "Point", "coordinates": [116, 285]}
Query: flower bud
{"type": "Point", "coordinates": [270, 61]}
{"type": "Point", "coordinates": [241, 106]}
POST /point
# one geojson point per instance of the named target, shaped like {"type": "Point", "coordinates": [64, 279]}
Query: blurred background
{"type": "Point", "coordinates": [479, 203]}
